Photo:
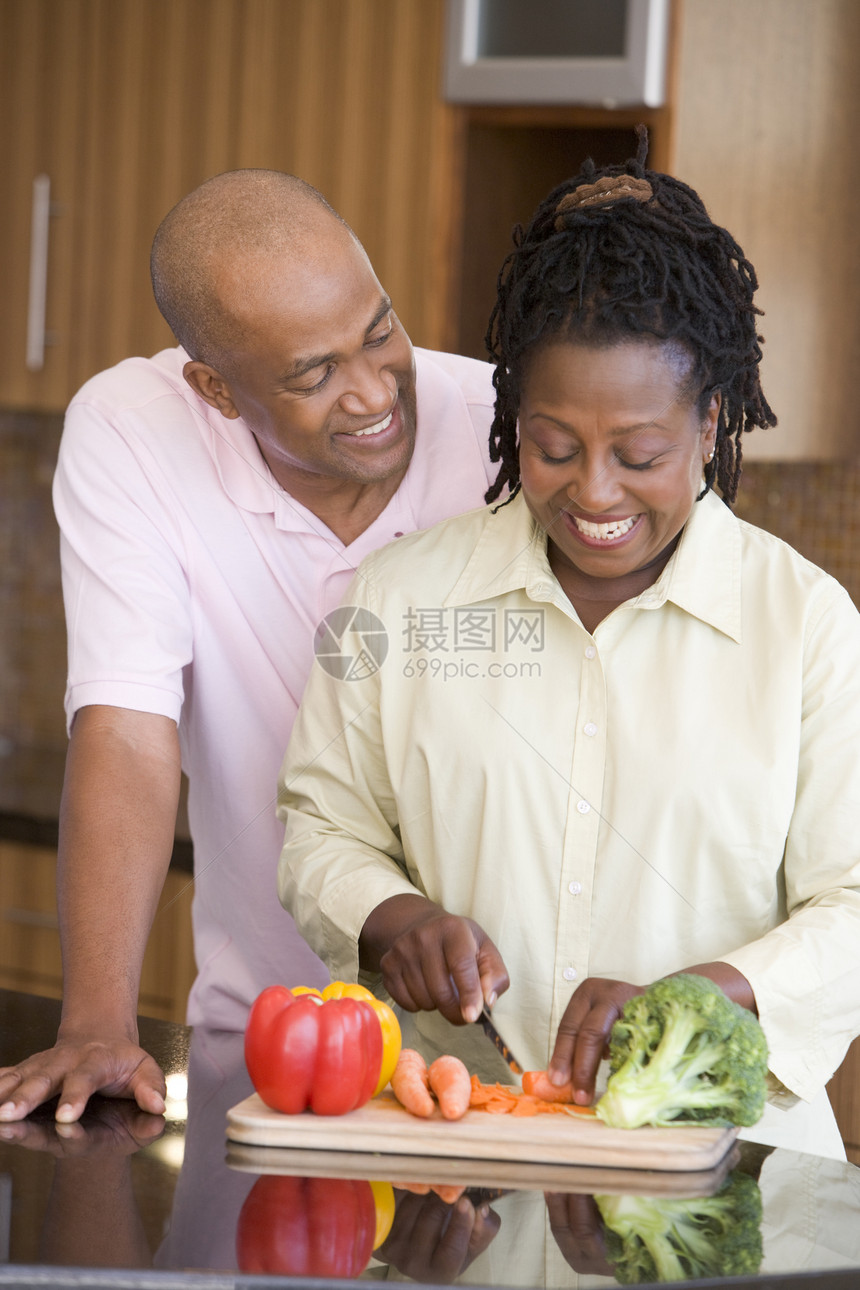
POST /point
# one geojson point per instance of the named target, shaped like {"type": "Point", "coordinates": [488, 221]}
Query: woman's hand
{"type": "Point", "coordinates": [577, 1226]}
{"type": "Point", "coordinates": [583, 1035]}
{"type": "Point", "coordinates": [432, 1241]}
{"type": "Point", "coordinates": [432, 960]}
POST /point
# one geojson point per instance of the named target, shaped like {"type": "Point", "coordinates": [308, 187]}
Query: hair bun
{"type": "Point", "coordinates": [605, 191]}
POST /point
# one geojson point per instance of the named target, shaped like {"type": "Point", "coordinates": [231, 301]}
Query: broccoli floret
{"type": "Point", "coordinates": [684, 1051]}
{"type": "Point", "coordinates": [666, 1239]}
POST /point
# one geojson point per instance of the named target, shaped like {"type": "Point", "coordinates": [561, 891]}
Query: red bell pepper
{"type": "Point", "coordinates": [302, 1052]}
{"type": "Point", "coordinates": [306, 1227]}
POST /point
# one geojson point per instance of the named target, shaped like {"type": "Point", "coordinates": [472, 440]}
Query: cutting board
{"type": "Point", "coordinates": [384, 1126]}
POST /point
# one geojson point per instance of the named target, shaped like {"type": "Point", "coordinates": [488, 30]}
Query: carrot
{"type": "Point", "coordinates": [450, 1081]}
{"type": "Point", "coordinates": [538, 1084]}
{"type": "Point", "coordinates": [500, 1099]}
{"type": "Point", "coordinates": [450, 1193]}
{"type": "Point", "coordinates": [411, 1083]}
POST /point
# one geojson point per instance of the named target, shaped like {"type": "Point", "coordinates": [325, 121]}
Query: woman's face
{"type": "Point", "coordinates": [612, 448]}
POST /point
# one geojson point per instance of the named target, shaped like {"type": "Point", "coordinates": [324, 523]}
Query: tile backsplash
{"type": "Point", "coordinates": [815, 506]}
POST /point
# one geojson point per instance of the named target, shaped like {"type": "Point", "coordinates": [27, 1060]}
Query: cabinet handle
{"type": "Point", "coordinates": [38, 272]}
{"type": "Point", "coordinates": [30, 918]}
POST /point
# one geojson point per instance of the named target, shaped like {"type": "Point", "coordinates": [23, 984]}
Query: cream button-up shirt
{"type": "Point", "coordinates": [679, 787]}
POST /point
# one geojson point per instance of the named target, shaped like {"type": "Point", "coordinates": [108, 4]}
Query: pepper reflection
{"type": "Point", "coordinates": [330, 1227]}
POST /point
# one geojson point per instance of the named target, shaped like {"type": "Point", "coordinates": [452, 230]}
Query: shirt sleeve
{"type": "Point", "coordinates": [805, 971]}
{"type": "Point", "coordinates": [342, 854]}
{"type": "Point", "coordinates": [128, 614]}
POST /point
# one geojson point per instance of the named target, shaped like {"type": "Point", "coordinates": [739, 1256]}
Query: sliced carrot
{"type": "Point", "coordinates": [411, 1085]}
{"type": "Point", "coordinates": [500, 1099]}
{"type": "Point", "coordinates": [538, 1084]}
{"type": "Point", "coordinates": [450, 1193]}
{"type": "Point", "coordinates": [450, 1081]}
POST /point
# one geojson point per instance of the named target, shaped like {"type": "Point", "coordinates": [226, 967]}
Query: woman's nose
{"type": "Point", "coordinates": [595, 488]}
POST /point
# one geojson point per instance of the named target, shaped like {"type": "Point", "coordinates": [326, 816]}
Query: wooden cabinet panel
{"type": "Point", "coordinates": [767, 116]}
{"type": "Point", "coordinates": [30, 941]}
{"type": "Point", "coordinates": [844, 1093]}
{"type": "Point", "coordinates": [127, 106]}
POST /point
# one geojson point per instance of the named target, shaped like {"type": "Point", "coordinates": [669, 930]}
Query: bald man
{"type": "Point", "coordinates": [214, 502]}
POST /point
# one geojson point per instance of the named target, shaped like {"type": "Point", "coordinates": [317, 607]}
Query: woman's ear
{"type": "Point", "coordinates": [211, 387]}
{"type": "Point", "coordinates": [709, 429]}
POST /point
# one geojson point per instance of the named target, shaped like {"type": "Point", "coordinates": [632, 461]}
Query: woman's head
{"type": "Point", "coordinates": [624, 254]}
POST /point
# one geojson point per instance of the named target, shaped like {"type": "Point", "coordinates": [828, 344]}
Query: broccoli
{"type": "Point", "coordinates": [684, 1051]}
{"type": "Point", "coordinates": [652, 1238]}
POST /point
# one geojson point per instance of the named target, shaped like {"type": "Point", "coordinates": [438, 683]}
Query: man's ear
{"type": "Point", "coordinates": [211, 387]}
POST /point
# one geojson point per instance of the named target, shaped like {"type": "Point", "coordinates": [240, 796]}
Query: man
{"type": "Point", "coordinates": [214, 502]}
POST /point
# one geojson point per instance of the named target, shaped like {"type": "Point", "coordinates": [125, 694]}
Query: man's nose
{"type": "Point", "coordinates": [371, 388]}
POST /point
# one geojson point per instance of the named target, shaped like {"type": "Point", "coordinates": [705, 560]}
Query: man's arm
{"type": "Point", "coordinates": [117, 823]}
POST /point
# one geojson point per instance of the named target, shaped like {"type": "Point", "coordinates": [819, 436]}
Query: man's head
{"type": "Point", "coordinates": [285, 324]}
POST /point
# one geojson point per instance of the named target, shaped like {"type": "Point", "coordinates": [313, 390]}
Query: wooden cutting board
{"type": "Point", "coordinates": [384, 1126]}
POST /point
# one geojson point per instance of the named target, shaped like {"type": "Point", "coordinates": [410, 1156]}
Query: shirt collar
{"type": "Point", "coordinates": [703, 577]}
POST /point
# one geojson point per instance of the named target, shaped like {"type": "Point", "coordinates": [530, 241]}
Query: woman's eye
{"type": "Point", "coordinates": [637, 465]}
{"type": "Point", "coordinates": [550, 458]}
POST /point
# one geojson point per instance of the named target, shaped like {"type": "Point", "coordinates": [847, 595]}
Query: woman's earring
{"type": "Point", "coordinates": [710, 456]}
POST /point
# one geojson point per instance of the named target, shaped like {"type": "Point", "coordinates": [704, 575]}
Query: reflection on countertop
{"type": "Point", "coordinates": [137, 1193]}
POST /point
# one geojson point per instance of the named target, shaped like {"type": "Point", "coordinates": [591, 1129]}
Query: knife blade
{"type": "Point", "coordinates": [485, 1021]}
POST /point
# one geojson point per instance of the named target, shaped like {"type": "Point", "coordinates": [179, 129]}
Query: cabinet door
{"type": "Point", "coordinates": [116, 102]}
{"type": "Point", "coordinates": [127, 105]}
{"type": "Point", "coordinates": [43, 124]}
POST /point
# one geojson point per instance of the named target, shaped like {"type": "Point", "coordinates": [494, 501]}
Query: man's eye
{"type": "Point", "coordinates": [318, 385]}
{"type": "Point", "coordinates": [382, 338]}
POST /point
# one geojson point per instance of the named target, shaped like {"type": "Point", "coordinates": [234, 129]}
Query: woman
{"type": "Point", "coordinates": [617, 733]}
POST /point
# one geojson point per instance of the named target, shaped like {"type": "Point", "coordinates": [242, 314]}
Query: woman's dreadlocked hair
{"type": "Point", "coordinates": [617, 254]}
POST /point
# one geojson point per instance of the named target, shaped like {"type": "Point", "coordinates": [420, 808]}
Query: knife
{"type": "Point", "coordinates": [485, 1021]}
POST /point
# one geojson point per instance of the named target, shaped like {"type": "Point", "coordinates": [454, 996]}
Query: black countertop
{"type": "Point", "coordinates": [136, 1200]}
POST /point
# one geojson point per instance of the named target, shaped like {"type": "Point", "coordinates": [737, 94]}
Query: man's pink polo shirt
{"type": "Point", "coordinates": [194, 585]}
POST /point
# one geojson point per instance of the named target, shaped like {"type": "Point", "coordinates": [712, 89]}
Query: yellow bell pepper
{"type": "Point", "coordinates": [391, 1037]}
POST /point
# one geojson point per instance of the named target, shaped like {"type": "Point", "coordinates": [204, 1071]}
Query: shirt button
{"type": "Point", "coordinates": [590, 728]}
{"type": "Point", "coordinates": [398, 535]}
{"type": "Point", "coordinates": [583, 807]}
{"type": "Point", "coordinates": [574, 888]}
{"type": "Point", "coordinates": [569, 974]}
{"type": "Point", "coordinates": [590, 651]}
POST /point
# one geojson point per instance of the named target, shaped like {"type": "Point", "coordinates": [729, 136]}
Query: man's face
{"type": "Point", "coordinates": [321, 370]}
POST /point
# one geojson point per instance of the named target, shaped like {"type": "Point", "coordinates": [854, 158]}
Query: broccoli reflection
{"type": "Point", "coordinates": [651, 1238]}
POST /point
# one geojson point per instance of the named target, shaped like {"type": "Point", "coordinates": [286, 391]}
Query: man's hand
{"type": "Point", "coordinates": [583, 1035]}
{"type": "Point", "coordinates": [433, 960]}
{"type": "Point", "coordinates": [107, 1130]}
{"type": "Point", "coordinates": [77, 1068]}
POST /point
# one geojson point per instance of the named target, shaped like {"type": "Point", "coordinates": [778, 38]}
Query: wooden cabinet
{"type": "Point", "coordinates": [844, 1093]}
{"type": "Point", "coordinates": [129, 104]}
{"type": "Point", "coordinates": [767, 108]}
{"type": "Point", "coordinates": [30, 941]}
